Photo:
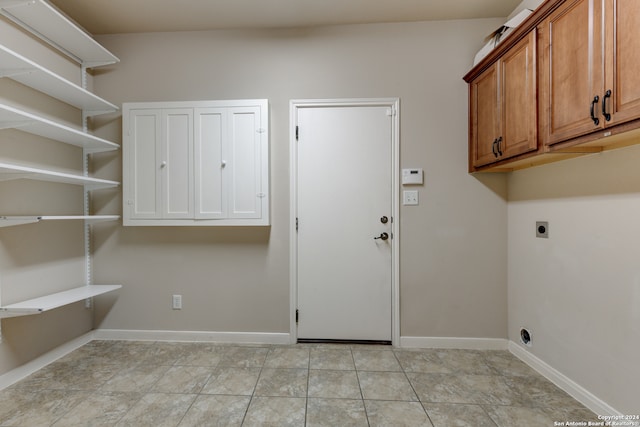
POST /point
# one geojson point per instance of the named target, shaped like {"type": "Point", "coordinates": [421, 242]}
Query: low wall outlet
{"type": "Point", "coordinates": [176, 302]}
{"type": "Point", "coordinates": [542, 229]}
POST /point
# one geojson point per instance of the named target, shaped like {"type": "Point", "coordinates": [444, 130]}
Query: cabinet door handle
{"type": "Point", "coordinates": [596, 121]}
{"type": "Point", "coordinates": [493, 148]}
{"type": "Point", "coordinates": [606, 96]}
{"type": "Point", "coordinates": [499, 143]}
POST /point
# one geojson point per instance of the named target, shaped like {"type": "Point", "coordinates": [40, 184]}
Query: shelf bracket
{"type": "Point", "coordinates": [14, 176]}
{"type": "Point", "coordinates": [4, 4]}
{"type": "Point", "coordinates": [15, 124]}
{"type": "Point", "coordinates": [8, 221]}
{"type": "Point", "coordinates": [13, 72]}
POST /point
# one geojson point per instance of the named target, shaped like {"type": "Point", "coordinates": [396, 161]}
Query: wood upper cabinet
{"type": "Point", "coordinates": [589, 61]}
{"type": "Point", "coordinates": [503, 106]}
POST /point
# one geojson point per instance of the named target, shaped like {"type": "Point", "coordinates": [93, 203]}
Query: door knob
{"type": "Point", "coordinates": [382, 236]}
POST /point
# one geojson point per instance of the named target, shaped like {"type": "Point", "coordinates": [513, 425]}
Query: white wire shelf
{"type": "Point", "coordinates": [13, 118]}
{"type": "Point", "coordinates": [23, 70]}
{"type": "Point", "coordinates": [10, 221]}
{"type": "Point", "coordinates": [10, 172]}
{"type": "Point", "coordinates": [45, 21]}
{"type": "Point", "coordinates": [59, 299]}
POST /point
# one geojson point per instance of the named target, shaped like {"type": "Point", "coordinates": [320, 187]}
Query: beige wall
{"type": "Point", "coordinates": [453, 246]}
{"type": "Point", "coordinates": [579, 291]}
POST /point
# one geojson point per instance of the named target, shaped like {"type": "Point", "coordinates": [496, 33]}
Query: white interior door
{"type": "Point", "coordinates": [344, 190]}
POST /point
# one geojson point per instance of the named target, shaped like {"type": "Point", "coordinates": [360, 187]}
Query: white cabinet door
{"type": "Point", "coordinates": [210, 163]}
{"type": "Point", "coordinates": [159, 164]}
{"type": "Point", "coordinates": [245, 168]}
{"type": "Point", "coordinates": [196, 163]}
{"type": "Point", "coordinates": [177, 163]}
{"type": "Point", "coordinates": [142, 184]}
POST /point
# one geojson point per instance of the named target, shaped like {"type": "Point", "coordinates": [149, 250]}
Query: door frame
{"type": "Point", "coordinates": [294, 106]}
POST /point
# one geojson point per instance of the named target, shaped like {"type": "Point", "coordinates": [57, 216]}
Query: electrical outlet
{"type": "Point", "coordinates": [176, 302]}
{"type": "Point", "coordinates": [542, 229]}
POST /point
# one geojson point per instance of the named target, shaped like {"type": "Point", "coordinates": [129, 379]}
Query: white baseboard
{"type": "Point", "coordinates": [574, 389]}
{"type": "Point", "coordinates": [21, 372]}
{"type": "Point", "coordinates": [454, 343]}
{"type": "Point", "coordinates": [193, 336]}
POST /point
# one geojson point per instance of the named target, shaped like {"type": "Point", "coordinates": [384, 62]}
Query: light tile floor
{"type": "Point", "coordinates": [122, 383]}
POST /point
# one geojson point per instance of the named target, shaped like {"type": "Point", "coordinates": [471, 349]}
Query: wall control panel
{"type": "Point", "coordinates": [412, 176]}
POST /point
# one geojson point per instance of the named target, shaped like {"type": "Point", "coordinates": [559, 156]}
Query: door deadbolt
{"type": "Point", "coordinates": [384, 220]}
{"type": "Point", "coordinates": [382, 236]}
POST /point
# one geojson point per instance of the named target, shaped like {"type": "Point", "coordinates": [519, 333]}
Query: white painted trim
{"type": "Point", "coordinates": [192, 336]}
{"type": "Point", "coordinates": [21, 372]}
{"type": "Point", "coordinates": [454, 343]}
{"type": "Point", "coordinates": [574, 389]}
{"type": "Point", "coordinates": [294, 104]}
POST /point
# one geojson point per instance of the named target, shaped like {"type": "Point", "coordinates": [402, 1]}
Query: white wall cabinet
{"type": "Point", "coordinates": [196, 163]}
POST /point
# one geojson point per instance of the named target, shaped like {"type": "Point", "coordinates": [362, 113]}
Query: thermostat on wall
{"type": "Point", "coordinates": [412, 176]}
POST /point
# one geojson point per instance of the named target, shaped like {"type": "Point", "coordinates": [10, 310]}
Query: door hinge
{"type": "Point", "coordinates": [297, 129]}
{"type": "Point", "coordinates": [297, 314]}
{"type": "Point", "coordinates": [296, 224]}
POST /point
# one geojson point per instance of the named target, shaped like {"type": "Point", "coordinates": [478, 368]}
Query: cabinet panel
{"type": "Point", "coordinates": [177, 163]}
{"type": "Point", "coordinates": [145, 192]}
{"type": "Point", "coordinates": [622, 61]}
{"type": "Point", "coordinates": [244, 167]}
{"type": "Point", "coordinates": [518, 100]}
{"type": "Point", "coordinates": [210, 162]}
{"type": "Point", "coordinates": [485, 114]}
{"type": "Point", "coordinates": [572, 63]}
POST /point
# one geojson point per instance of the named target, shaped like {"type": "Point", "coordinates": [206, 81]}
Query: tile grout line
{"type": "Point", "coordinates": [306, 403]}
{"type": "Point", "coordinates": [413, 389]}
{"type": "Point", "coordinates": [355, 367]}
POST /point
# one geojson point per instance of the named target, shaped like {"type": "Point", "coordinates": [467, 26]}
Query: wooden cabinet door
{"type": "Point", "coordinates": [504, 106]}
{"type": "Point", "coordinates": [485, 116]}
{"type": "Point", "coordinates": [622, 84]}
{"type": "Point", "coordinates": [518, 101]}
{"type": "Point", "coordinates": [571, 74]}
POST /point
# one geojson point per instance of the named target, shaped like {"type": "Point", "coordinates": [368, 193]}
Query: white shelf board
{"type": "Point", "coordinates": [49, 302]}
{"type": "Point", "coordinates": [47, 22]}
{"type": "Point", "coordinates": [9, 221]}
{"type": "Point", "coordinates": [17, 119]}
{"type": "Point", "coordinates": [10, 171]}
{"type": "Point", "coordinates": [29, 73]}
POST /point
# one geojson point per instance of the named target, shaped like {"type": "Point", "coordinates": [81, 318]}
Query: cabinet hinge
{"type": "Point", "coordinates": [297, 314]}
{"type": "Point", "coordinates": [261, 130]}
{"type": "Point", "coordinates": [297, 133]}
{"type": "Point", "coordinates": [391, 112]}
